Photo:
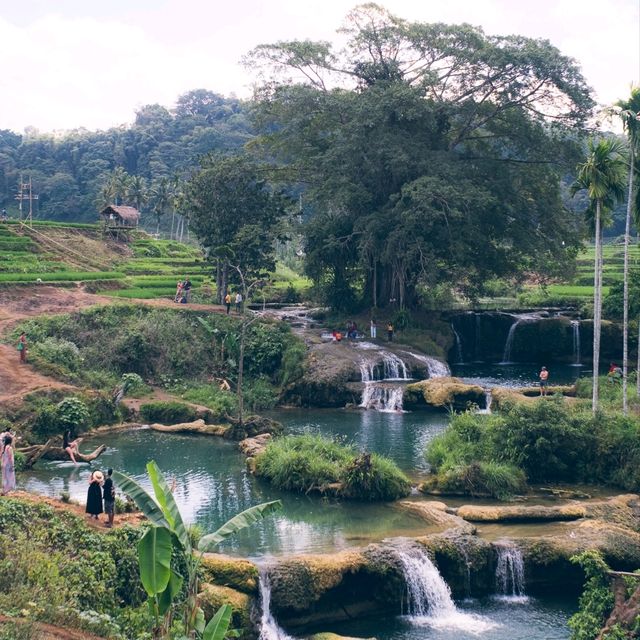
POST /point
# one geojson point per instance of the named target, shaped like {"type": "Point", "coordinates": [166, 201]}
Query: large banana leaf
{"type": "Point", "coordinates": [167, 596]}
{"type": "Point", "coordinates": [237, 523]}
{"type": "Point", "coordinates": [143, 500]}
{"type": "Point", "coordinates": [218, 625]}
{"type": "Point", "coordinates": [154, 558]}
{"type": "Point", "coordinates": [168, 505]}
{"type": "Point", "coordinates": [206, 325]}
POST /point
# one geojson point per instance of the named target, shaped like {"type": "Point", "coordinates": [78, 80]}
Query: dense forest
{"type": "Point", "coordinates": [70, 172]}
{"type": "Point", "coordinates": [421, 156]}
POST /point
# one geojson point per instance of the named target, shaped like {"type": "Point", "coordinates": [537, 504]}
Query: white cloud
{"type": "Point", "coordinates": [66, 67]}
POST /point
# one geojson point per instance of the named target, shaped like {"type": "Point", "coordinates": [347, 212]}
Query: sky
{"type": "Point", "coordinates": [86, 63]}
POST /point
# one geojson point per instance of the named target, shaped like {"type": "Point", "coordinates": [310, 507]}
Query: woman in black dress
{"type": "Point", "coordinates": [94, 494]}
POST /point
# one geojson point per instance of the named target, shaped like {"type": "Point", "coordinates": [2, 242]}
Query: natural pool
{"type": "Point", "coordinates": [212, 483]}
{"type": "Point", "coordinates": [489, 619]}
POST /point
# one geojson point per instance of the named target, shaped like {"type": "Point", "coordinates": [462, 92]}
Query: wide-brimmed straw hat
{"type": "Point", "coordinates": [97, 475]}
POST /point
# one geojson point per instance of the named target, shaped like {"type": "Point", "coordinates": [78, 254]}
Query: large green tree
{"type": "Point", "coordinates": [236, 215]}
{"type": "Point", "coordinates": [603, 176]}
{"type": "Point", "coordinates": [429, 153]}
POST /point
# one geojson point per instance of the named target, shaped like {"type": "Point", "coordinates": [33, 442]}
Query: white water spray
{"type": "Point", "coordinates": [435, 368]}
{"type": "Point", "coordinates": [508, 345]}
{"type": "Point", "coordinates": [577, 356]}
{"type": "Point", "coordinates": [269, 628]}
{"type": "Point", "coordinates": [429, 598]}
{"type": "Point", "coordinates": [510, 573]}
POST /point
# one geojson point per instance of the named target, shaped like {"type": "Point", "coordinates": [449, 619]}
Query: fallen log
{"type": "Point", "coordinates": [197, 427]}
{"type": "Point", "coordinates": [50, 452]}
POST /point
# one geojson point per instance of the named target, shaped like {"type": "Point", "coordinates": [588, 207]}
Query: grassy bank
{"type": "Point", "coordinates": [313, 463]}
{"type": "Point", "coordinates": [545, 441]}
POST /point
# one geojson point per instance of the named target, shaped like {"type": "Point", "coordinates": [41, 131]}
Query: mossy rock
{"type": "Point", "coordinates": [444, 392]}
{"type": "Point", "coordinates": [520, 513]}
{"type": "Point", "coordinates": [226, 571]}
{"type": "Point", "coordinates": [298, 582]}
{"type": "Point", "coordinates": [213, 596]}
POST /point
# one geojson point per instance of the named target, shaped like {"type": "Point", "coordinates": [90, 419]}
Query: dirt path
{"type": "Point", "coordinates": [43, 631]}
{"type": "Point", "coordinates": [20, 303]}
{"type": "Point", "coordinates": [77, 509]}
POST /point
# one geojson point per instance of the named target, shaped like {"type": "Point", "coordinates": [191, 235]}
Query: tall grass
{"type": "Point", "coordinates": [309, 462]}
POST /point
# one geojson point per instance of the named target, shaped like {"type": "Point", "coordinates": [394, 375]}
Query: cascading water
{"type": "Point", "coordinates": [577, 356]}
{"type": "Point", "coordinates": [435, 368]}
{"type": "Point", "coordinates": [488, 399]}
{"type": "Point", "coordinates": [429, 598]}
{"type": "Point", "coordinates": [508, 345]}
{"type": "Point", "coordinates": [386, 399]}
{"type": "Point", "coordinates": [269, 628]}
{"type": "Point", "coordinates": [376, 374]}
{"type": "Point", "coordinates": [510, 572]}
{"type": "Point", "coordinates": [459, 356]}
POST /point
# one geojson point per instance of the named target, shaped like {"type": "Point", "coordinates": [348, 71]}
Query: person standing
{"type": "Point", "coordinates": [373, 329]}
{"type": "Point", "coordinates": [178, 291]}
{"type": "Point", "coordinates": [227, 302]}
{"type": "Point", "coordinates": [238, 302]}
{"type": "Point", "coordinates": [544, 377]}
{"type": "Point", "coordinates": [8, 466]}
{"type": "Point", "coordinates": [390, 331]}
{"type": "Point", "coordinates": [94, 495]}
{"type": "Point", "coordinates": [22, 347]}
{"type": "Point", "coordinates": [186, 288]}
{"type": "Point", "coordinates": [109, 497]}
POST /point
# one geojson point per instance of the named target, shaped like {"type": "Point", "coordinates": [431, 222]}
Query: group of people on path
{"type": "Point", "coordinates": [183, 291]}
{"type": "Point", "coordinates": [101, 492]}
{"type": "Point", "coordinates": [228, 299]}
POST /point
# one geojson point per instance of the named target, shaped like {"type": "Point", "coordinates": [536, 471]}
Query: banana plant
{"type": "Point", "coordinates": [169, 533]}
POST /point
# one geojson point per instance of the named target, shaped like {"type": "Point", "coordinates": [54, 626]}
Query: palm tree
{"type": "Point", "coordinates": [120, 180]}
{"type": "Point", "coordinates": [630, 114]}
{"type": "Point", "coordinates": [603, 176]}
{"type": "Point", "coordinates": [137, 192]}
{"type": "Point", "coordinates": [161, 197]}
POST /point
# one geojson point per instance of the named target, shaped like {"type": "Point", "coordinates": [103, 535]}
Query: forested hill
{"type": "Point", "coordinates": [70, 172]}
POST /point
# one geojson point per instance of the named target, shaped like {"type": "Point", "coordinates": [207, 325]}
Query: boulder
{"type": "Point", "coordinates": [251, 447]}
{"type": "Point", "coordinates": [226, 571]}
{"type": "Point", "coordinates": [444, 392]}
{"type": "Point", "coordinates": [212, 597]}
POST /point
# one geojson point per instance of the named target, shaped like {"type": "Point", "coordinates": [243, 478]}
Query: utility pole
{"type": "Point", "coordinates": [25, 192]}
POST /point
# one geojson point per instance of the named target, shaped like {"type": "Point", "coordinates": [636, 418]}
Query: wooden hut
{"type": "Point", "coordinates": [119, 221]}
{"type": "Point", "coordinates": [120, 217]}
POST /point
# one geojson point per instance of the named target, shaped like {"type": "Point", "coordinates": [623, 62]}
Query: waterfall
{"type": "Point", "coordinates": [459, 356]}
{"type": "Point", "coordinates": [269, 628]}
{"type": "Point", "coordinates": [429, 598]}
{"type": "Point", "coordinates": [488, 399]}
{"type": "Point", "coordinates": [377, 394]}
{"type": "Point", "coordinates": [577, 359]}
{"type": "Point", "coordinates": [510, 572]}
{"type": "Point", "coordinates": [384, 398]}
{"type": "Point", "coordinates": [435, 368]}
{"type": "Point", "coordinates": [394, 367]}
{"type": "Point", "coordinates": [506, 356]}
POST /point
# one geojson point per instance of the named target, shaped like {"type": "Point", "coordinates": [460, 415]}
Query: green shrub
{"type": "Point", "coordinates": [58, 351]}
{"type": "Point", "coordinates": [167, 412]}
{"type": "Point", "coordinates": [46, 422]}
{"type": "Point", "coordinates": [72, 413]}
{"type": "Point", "coordinates": [372, 477]}
{"type": "Point", "coordinates": [260, 394]}
{"type": "Point", "coordinates": [546, 440]}
{"type": "Point", "coordinates": [220, 402]}
{"type": "Point", "coordinates": [310, 462]}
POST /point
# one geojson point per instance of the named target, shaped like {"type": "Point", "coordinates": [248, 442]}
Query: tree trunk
{"type": "Point", "coordinates": [625, 303]}
{"type": "Point", "coordinates": [225, 280]}
{"type": "Point", "coordinates": [375, 284]}
{"type": "Point", "coordinates": [173, 218]}
{"type": "Point", "coordinates": [219, 292]}
{"type": "Point", "coordinates": [597, 310]}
